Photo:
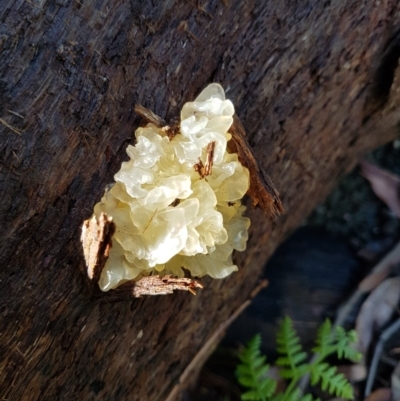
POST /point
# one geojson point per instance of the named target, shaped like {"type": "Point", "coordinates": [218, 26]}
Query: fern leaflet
{"type": "Point", "coordinates": [331, 380]}
{"type": "Point", "coordinates": [288, 345]}
{"type": "Point", "coordinates": [252, 372]}
{"type": "Point", "coordinates": [335, 341]}
{"type": "Point", "coordinates": [344, 344]}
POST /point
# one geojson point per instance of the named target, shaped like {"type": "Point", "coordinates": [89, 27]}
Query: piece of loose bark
{"type": "Point", "coordinates": [210, 158]}
{"type": "Point", "coordinates": [149, 116]}
{"type": "Point", "coordinates": [171, 130]}
{"type": "Point", "coordinates": [262, 190]}
{"type": "Point", "coordinates": [206, 168]}
{"type": "Point", "coordinates": [96, 242]}
{"type": "Point", "coordinates": [199, 168]}
{"type": "Point", "coordinates": [160, 285]}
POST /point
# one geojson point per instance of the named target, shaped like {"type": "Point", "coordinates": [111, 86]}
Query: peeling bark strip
{"type": "Point", "coordinates": [262, 189]}
{"type": "Point", "coordinates": [149, 116]}
{"type": "Point", "coordinates": [96, 240]}
{"type": "Point", "coordinates": [160, 285]}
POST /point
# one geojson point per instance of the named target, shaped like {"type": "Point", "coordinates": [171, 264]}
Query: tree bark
{"type": "Point", "coordinates": [315, 85]}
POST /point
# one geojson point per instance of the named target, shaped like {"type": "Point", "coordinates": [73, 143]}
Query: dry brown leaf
{"type": "Point", "coordinates": [376, 311]}
{"type": "Point", "coordinates": [381, 394]}
{"type": "Point", "coordinates": [376, 277]}
{"type": "Point", "coordinates": [396, 383]}
{"type": "Point", "coordinates": [381, 270]}
{"type": "Point", "coordinates": [353, 373]}
{"type": "Point", "coordinates": [385, 185]}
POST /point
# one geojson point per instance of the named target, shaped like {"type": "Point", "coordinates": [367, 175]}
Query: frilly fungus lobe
{"type": "Point", "coordinates": [177, 202]}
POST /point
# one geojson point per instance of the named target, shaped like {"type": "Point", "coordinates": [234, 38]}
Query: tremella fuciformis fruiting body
{"type": "Point", "coordinates": [168, 214]}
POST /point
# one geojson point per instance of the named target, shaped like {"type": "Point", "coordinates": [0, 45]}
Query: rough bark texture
{"type": "Point", "coordinates": [314, 85]}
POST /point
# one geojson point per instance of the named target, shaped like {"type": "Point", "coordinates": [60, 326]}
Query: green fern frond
{"type": "Point", "coordinates": [345, 341]}
{"type": "Point", "coordinates": [336, 341]}
{"type": "Point", "coordinates": [288, 345]}
{"type": "Point", "coordinates": [324, 341]}
{"type": "Point", "coordinates": [331, 380]}
{"type": "Point", "coordinates": [252, 371]}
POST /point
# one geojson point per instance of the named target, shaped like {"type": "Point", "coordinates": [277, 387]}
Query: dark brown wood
{"type": "Point", "coordinates": [303, 77]}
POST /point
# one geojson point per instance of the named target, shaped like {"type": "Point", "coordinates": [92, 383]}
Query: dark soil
{"type": "Point", "coordinates": [354, 213]}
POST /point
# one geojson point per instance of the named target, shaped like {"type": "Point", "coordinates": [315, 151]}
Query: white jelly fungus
{"type": "Point", "coordinates": [168, 213]}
